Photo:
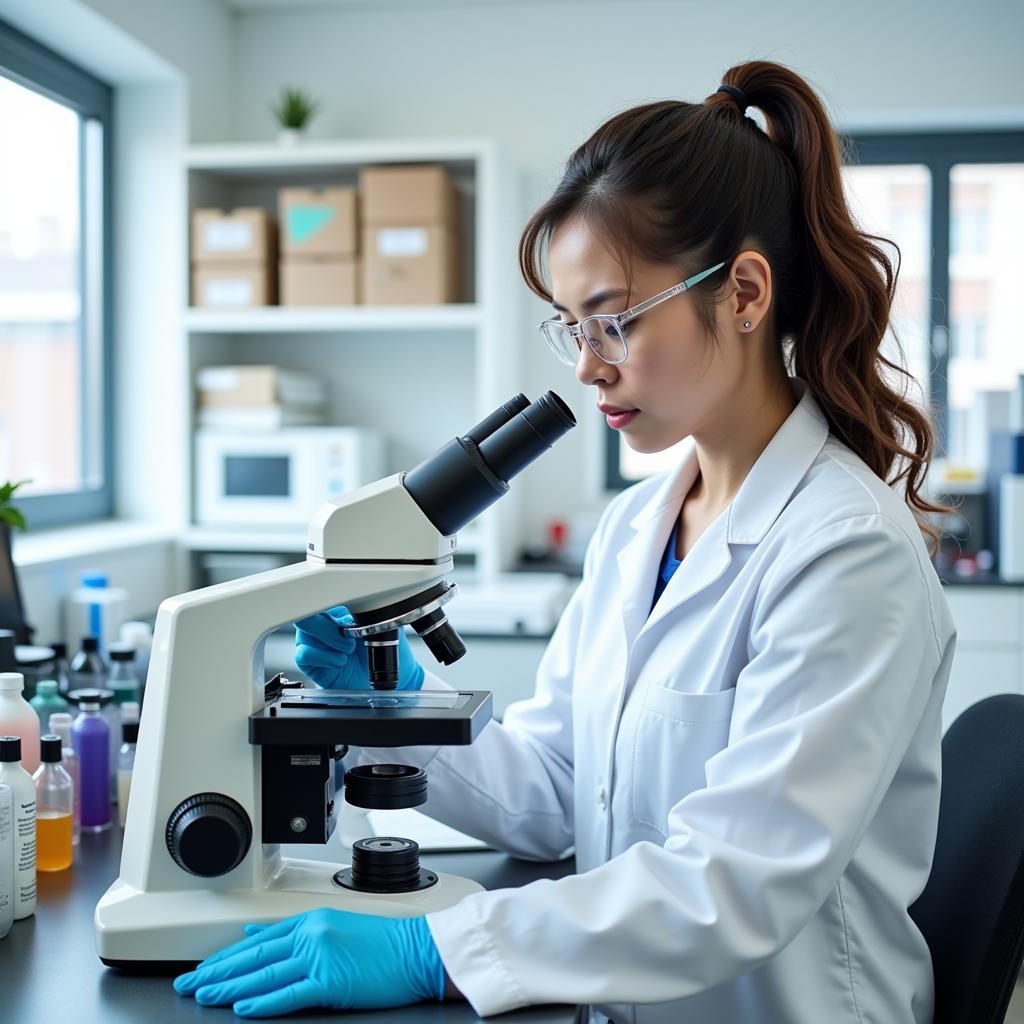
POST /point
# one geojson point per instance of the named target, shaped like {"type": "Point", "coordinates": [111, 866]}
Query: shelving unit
{"type": "Point", "coordinates": [419, 374]}
{"type": "Point", "coordinates": [282, 319]}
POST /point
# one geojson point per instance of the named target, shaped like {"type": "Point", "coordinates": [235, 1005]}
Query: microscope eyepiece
{"type": "Point", "coordinates": [471, 472]}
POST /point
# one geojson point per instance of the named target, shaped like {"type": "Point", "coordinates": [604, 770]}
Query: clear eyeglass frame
{"type": "Point", "coordinates": [603, 331]}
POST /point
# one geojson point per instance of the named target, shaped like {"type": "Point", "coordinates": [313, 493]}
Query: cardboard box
{"type": "Point", "coordinates": [329, 282]}
{"type": "Point", "coordinates": [416, 194]}
{"type": "Point", "coordinates": [412, 264]}
{"type": "Point", "coordinates": [244, 235]}
{"type": "Point", "coordinates": [234, 286]}
{"type": "Point", "coordinates": [250, 386]}
{"type": "Point", "coordinates": [317, 221]}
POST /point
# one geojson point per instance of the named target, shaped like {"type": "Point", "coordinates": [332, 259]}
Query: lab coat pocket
{"type": "Point", "coordinates": [676, 733]}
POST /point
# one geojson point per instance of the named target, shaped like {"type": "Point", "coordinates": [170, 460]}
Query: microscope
{"type": "Point", "coordinates": [230, 765]}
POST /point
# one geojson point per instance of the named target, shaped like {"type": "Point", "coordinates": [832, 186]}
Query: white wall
{"type": "Point", "coordinates": [197, 37]}
{"type": "Point", "coordinates": [540, 76]}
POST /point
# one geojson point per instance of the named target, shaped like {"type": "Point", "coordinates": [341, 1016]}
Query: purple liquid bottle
{"type": "Point", "coordinates": [90, 736]}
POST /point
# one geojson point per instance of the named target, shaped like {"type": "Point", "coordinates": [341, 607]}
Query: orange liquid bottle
{"type": "Point", "coordinates": [53, 840]}
{"type": "Point", "coordinates": [55, 797]}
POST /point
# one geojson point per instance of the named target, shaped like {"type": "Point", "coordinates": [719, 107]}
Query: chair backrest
{"type": "Point", "coordinates": [971, 912]}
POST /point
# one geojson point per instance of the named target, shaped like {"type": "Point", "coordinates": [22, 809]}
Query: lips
{"type": "Point", "coordinates": [613, 410]}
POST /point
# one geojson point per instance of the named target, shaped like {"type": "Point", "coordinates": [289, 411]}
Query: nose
{"type": "Point", "coordinates": [591, 369]}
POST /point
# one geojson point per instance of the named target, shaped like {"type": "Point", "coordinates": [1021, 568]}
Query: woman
{"type": "Point", "coordinates": [737, 721]}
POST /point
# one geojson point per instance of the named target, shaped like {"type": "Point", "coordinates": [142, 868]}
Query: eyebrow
{"type": "Point", "coordinates": [595, 300]}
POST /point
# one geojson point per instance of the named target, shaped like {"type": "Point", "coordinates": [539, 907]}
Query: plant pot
{"type": "Point", "coordinates": [290, 136]}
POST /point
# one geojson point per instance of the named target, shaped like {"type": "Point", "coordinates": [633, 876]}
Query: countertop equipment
{"type": "Point", "coordinates": [229, 765]}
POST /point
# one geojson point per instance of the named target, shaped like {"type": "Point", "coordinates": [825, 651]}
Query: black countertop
{"type": "Point", "coordinates": [49, 969]}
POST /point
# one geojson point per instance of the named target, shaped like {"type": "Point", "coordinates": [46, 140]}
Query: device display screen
{"type": "Point", "coordinates": [256, 476]}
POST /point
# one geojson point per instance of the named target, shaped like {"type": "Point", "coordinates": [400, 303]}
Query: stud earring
{"type": "Point", "coordinates": [746, 323]}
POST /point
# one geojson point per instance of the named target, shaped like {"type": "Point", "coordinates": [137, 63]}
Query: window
{"type": "Point", "coordinates": [55, 367]}
{"type": "Point", "coordinates": [954, 203]}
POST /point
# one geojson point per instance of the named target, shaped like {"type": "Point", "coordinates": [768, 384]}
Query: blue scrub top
{"type": "Point", "coordinates": [669, 564]}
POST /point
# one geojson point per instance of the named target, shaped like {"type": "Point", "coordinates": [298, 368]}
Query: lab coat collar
{"type": "Point", "coordinates": [769, 484]}
{"type": "Point", "coordinates": [758, 503]}
{"type": "Point", "coordinates": [779, 469]}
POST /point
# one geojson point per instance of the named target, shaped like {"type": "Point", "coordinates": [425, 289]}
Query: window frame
{"type": "Point", "coordinates": [939, 151]}
{"type": "Point", "coordinates": [34, 66]}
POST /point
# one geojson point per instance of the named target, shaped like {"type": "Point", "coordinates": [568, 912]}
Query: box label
{"type": "Point", "coordinates": [218, 378]}
{"type": "Point", "coordinates": [227, 236]}
{"type": "Point", "coordinates": [229, 292]}
{"type": "Point", "coordinates": [401, 242]}
{"type": "Point", "coordinates": [306, 221]}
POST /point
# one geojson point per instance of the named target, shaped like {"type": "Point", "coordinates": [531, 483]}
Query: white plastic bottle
{"type": "Point", "coordinates": [18, 717]}
{"type": "Point", "coordinates": [140, 636]}
{"type": "Point", "coordinates": [6, 860]}
{"type": "Point", "coordinates": [95, 609]}
{"type": "Point", "coordinates": [125, 767]}
{"type": "Point", "coordinates": [23, 795]}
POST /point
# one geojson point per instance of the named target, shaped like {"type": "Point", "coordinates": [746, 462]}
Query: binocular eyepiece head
{"type": "Point", "coordinates": [472, 472]}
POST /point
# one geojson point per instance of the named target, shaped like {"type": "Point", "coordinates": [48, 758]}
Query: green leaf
{"type": "Point", "coordinates": [294, 107]}
{"type": "Point", "coordinates": [7, 490]}
{"type": "Point", "coordinates": [13, 518]}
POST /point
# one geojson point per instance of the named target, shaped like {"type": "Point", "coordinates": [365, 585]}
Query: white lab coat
{"type": "Point", "coordinates": [749, 774]}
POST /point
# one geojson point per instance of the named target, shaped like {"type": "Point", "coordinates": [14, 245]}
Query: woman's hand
{"type": "Point", "coordinates": [339, 662]}
{"type": "Point", "coordinates": [328, 958]}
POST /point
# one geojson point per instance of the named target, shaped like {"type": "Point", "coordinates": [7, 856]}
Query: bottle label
{"type": "Point", "coordinates": [25, 851]}
{"type": "Point", "coordinates": [6, 838]}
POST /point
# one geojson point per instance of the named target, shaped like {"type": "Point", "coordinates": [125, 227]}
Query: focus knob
{"type": "Point", "coordinates": [208, 834]}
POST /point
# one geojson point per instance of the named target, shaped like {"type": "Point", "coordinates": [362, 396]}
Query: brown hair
{"type": "Point", "coordinates": [686, 183]}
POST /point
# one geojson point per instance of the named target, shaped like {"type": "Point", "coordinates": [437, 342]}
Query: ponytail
{"type": "Point", "coordinates": [710, 178]}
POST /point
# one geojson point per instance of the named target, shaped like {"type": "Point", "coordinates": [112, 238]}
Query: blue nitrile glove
{"type": "Point", "coordinates": [329, 958]}
{"type": "Point", "coordinates": [339, 662]}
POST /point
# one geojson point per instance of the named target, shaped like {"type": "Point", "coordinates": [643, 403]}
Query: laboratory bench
{"type": "Point", "coordinates": [49, 969]}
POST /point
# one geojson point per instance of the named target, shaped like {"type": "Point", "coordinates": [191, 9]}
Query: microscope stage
{"type": "Point", "coordinates": [371, 718]}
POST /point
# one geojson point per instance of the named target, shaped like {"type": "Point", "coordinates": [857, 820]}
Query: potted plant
{"type": "Point", "coordinates": [10, 517]}
{"type": "Point", "coordinates": [293, 111]}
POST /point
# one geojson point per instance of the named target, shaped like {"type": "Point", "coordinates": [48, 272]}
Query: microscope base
{"type": "Point", "coordinates": [170, 930]}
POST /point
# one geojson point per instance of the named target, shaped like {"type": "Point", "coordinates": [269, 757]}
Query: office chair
{"type": "Point", "coordinates": [971, 912]}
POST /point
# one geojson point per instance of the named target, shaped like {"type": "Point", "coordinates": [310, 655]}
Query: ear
{"type": "Point", "coordinates": [752, 277]}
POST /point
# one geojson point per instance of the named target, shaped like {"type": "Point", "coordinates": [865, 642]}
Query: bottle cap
{"type": "Point", "coordinates": [10, 748]}
{"type": "Point", "coordinates": [130, 732]}
{"type": "Point", "coordinates": [91, 696]}
{"type": "Point", "coordinates": [50, 748]}
{"type": "Point", "coordinates": [90, 644]}
{"type": "Point", "coordinates": [59, 721]}
{"type": "Point", "coordinates": [12, 681]}
{"type": "Point", "coordinates": [121, 652]}
{"type": "Point", "coordinates": [95, 579]}
{"type": "Point", "coordinates": [60, 650]}
{"type": "Point", "coordinates": [46, 687]}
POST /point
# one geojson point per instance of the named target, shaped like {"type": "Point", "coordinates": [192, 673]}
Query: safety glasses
{"type": "Point", "coordinates": [604, 332]}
